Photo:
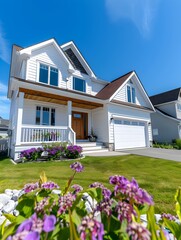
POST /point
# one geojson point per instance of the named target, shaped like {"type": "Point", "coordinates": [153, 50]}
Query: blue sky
{"type": "Point", "coordinates": [114, 36]}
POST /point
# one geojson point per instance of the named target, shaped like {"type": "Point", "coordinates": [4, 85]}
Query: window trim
{"type": "Point", "coordinates": [41, 115]}
{"type": "Point", "coordinates": [49, 67]}
{"type": "Point", "coordinates": [83, 80]}
{"type": "Point", "coordinates": [179, 107]}
{"type": "Point", "coordinates": [131, 93]}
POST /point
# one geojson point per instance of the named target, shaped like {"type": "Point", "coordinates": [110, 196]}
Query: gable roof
{"type": "Point", "coordinates": [165, 97]}
{"type": "Point", "coordinates": [74, 60]}
{"type": "Point", "coordinates": [167, 115]}
{"type": "Point", "coordinates": [111, 87]}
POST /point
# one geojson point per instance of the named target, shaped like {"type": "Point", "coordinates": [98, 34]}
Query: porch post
{"type": "Point", "coordinates": [19, 118]}
{"type": "Point", "coordinates": [69, 112]}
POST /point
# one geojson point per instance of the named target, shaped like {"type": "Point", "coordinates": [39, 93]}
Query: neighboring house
{"type": "Point", "coordinates": [4, 125]}
{"type": "Point", "coordinates": [166, 121]}
{"type": "Point", "coordinates": [55, 96]}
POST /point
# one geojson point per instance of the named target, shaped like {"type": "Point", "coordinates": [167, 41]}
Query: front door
{"type": "Point", "coordinates": [79, 124]}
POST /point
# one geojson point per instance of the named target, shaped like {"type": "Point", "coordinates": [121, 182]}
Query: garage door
{"type": "Point", "coordinates": [129, 134]}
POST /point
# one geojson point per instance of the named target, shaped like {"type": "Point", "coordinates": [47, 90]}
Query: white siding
{"type": "Point", "coordinates": [100, 124]}
{"type": "Point", "coordinates": [29, 112]}
{"type": "Point", "coordinates": [47, 55]}
{"type": "Point", "coordinates": [96, 87]}
{"type": "Point", "coordinates": [169, 108]}
{"type": "Point", "coordinates": [140, 99]}
{"type": "Point", "coordinates": [128, 113]}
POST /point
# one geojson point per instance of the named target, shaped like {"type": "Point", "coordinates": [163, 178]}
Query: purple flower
{"type": "Point", "coordinates": [31, 187]}
{"type": "Point", "coordinates": [105, 206]}
{"type": "Point", "coordinates": [77, 166]}
{"type": "Point", "coordinates": [105, 191]}
{"type": "Point", "coordinates": [137, 232]}
{"type": "Point", "coordinates": [125, 211]}
{"type": "Point", "coordinates": [32, 236]}
{"type": "Point", "coordinates": [41, 205]}
{"type": "Point", "coordinates": [66, 202]}
{"type": "Point", "coordinates": [25, 226]}
{"type": "Point", "coordinates": [130, 190]}
{"type": "Point", "coordinates": [49, 185]}
{"type": "Point", "coordinates": [91, 229]}
{"type": "Point", "coordinates": [77, 188]}
{"type": "Point", "coordinates": [49, 223]}
{"type": "Point", "coordinates": [168, 216]}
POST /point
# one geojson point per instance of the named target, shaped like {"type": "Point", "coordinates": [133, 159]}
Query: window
{"type": "Point", "coordinates": [43, 116]}
{"type": "Point", "coordinates": [131, 94]}
{"type": "Point", "coordinates": [179, 106]}
{"type": "Point", "coordinates": [48, 75]}
{"type": "Point", "coordinates": [79, 84]}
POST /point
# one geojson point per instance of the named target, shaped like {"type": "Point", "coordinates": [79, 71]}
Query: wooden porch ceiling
{"type": "Point", "coordinates": [52, 98]}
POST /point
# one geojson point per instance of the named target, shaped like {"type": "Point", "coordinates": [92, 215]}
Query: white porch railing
{"type": "Point", "coordinates": [39, 134]}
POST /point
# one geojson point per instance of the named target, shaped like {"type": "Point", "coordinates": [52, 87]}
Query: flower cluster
{"type": "Point", "coordinates": [77, 166]}
{"type": "Point", "coordinates": [55, 152]}
{"type": "Point", "coordinates": [31, 154]}
{"type": "Point", "coordinates": [96, 214]}
{"type": "Point", "coordinates": [32, 228]}
{"type": "Point", "coordinates": [73, 152]}
{"type": "Point", "coordinates": [130, 190]}
{"type": "Point", "coordinates": [91, 229]}
{"type": "Point", "coordinates": [49, 185]}
{"type": "Point", "coordinates": [168, 216]}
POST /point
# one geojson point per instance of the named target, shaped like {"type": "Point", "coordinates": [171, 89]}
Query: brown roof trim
{"type": "Point", "coordinates": [57, 88]}
{"type": "Point", "coordinates": [111, 87]}
{"type": "Point", "coordinates": [131, 105]}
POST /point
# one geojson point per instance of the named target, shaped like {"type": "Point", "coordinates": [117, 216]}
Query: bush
{"type": "Point", "coordinates": [96, 213]}
{"type": "Point", "coordinates": [31, 154]}
{"type": "Point", "coordinates": [178, 143]}
{"type": "Point", "coordinates": [73, 151]}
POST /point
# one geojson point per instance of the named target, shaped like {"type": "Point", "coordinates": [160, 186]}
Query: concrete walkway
{"type": "Point", "coordinates": [168, 154]}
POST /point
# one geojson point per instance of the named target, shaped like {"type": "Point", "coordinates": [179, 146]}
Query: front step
{"type": "Point", "coordinates": [92, 147]}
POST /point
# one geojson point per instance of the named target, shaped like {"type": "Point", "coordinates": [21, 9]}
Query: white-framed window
{"type": "Point", "coordinates": [79, 84]}
{"type": "Point", "coordinates": [179, 106]}
{"type": "Point", "coordinates": [48, 74]}
{"type": "Point", "coordinates": [45, 116]}
{"type": "Point", "coordinates": [131, 94]}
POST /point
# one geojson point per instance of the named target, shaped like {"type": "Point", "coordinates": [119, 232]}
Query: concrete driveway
{"type": "Point", "coordinates": [168, 154]}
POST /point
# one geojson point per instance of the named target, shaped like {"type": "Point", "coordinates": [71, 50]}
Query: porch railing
{"type": "Point", "coordinates": [39, 134]}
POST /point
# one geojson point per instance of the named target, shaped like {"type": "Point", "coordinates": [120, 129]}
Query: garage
{"type": "Point", "coordinates": [129, 134]}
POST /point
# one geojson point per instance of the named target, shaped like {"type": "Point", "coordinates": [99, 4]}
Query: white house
{"type": "Point", "coordinates": [166, 121]}
{"type": "Point", "coordinates": [55, 96]}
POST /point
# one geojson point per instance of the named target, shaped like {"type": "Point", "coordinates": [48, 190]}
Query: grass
{"type": "Point", "coordinates": [160, 178]}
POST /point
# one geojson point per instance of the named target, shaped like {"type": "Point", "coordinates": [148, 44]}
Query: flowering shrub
{"type": "Point", "coordinates": [99, 214]}
{"type": "Point", "coordinates": [53, 151]}
{"type": "Point", "coordinates": [31, 154]}
{"type": "Point", "coordinates": [73, 152]}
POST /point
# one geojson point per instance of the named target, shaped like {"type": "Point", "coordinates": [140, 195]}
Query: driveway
{"type": "Point", "coordinates": [168, 154]}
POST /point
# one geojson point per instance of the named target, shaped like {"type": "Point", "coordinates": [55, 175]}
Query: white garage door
{"type": "Point", "coordinates": [129, 134]}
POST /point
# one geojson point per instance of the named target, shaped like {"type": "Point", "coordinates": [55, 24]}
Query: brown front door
{"type": "Point", "coordinates": [79, 124]}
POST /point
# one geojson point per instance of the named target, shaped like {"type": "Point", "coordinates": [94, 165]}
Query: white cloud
{"type": "Point", "coordinates": [4, 47]}
{"type": "Point", "coordinates": [140, 12]}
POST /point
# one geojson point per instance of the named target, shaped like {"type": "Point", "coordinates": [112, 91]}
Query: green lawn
{"type": "Point", "coordinates": [159, 177]}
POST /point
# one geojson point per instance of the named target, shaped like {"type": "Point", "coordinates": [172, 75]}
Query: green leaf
{"type": "Point", "coordinates": [43, 178]}
{"type": "Point", "coordinates": [178, 203]}
{"type": "Point", "coordinates": [152, 226]}
{"type": "Point", "coordinates": [26, 205]}
{"type": "Point", "coordinates": [95, 193]}
{"type": "Point", "coordinates": [174, 227]}
{"type": "Point", "coordinates": [10, 217]}
{"type": "Point", "coordinates": [2, 227]}
{"type": "Point", "coordinates": [9, 230]}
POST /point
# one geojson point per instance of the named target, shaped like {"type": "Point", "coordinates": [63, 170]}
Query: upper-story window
{"type": "Point", "coordinates": [79, 84]}
{"type": "Point", "coordinates": [45, 116]}
{"type": "Point", "coordinates": [48, 75]}
{"type": "Point", "coordinates": [131, 94]}
{"type": "Point", "coordinates": [179, 106]}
